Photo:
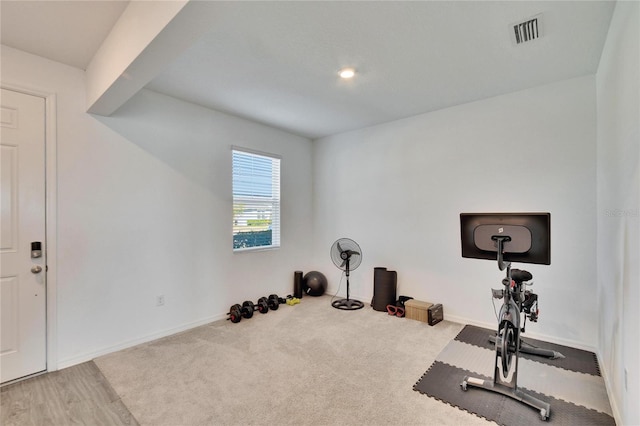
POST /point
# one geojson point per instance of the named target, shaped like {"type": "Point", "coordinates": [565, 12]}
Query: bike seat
{"type": "Point", "coordinates": [519, 276]}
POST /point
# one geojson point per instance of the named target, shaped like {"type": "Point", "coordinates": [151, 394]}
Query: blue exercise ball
{"type": "Point", "coordinates": [314, 283]}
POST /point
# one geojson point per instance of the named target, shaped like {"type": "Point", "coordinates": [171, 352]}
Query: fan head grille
{"type": "Point", "coordinates": [346, 249]}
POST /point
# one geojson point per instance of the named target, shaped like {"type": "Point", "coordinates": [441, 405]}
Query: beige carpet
{"type": "Point", "coordinates": [304, 364]}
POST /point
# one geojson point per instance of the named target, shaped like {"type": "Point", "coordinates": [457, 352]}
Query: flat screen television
{"type": "Point", "coordinates": [529, 236]}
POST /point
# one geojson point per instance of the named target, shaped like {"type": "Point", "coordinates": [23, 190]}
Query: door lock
{"type": "Point", "coordinates": [36, 249]}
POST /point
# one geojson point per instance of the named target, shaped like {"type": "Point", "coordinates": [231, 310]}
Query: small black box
{"type": "Point", "coordinates": [435, 314]}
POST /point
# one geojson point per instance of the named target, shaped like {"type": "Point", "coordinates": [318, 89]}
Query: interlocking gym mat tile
{"type": "Point", "coordinates": [575, 359]}
{"type": "Point", "coordinates": [576, 398]}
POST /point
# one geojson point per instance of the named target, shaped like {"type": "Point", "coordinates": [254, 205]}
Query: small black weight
{"type": "Point", "coordinates": [263, 305]}
{"type": "Point", "coordinates": [247, 309]}
{"type": "Point", "coordinates": [273, 301]}
{"type": "Point", "coordinates": [435, 314]}
{"type": "Point", "coordinates": [235, 314]}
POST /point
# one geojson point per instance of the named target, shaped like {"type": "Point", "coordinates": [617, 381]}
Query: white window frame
{"type": "Point", "coordinates": [271, 204]}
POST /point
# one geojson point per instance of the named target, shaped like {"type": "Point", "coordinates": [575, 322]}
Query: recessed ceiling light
{"type": "Point", "coordinates": [347, 73]}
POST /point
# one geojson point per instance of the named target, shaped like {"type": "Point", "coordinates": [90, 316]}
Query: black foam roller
{"type": "Point", "coordinates": [384, 288]}
{"type": "Point", "coordinates": [297, 284]}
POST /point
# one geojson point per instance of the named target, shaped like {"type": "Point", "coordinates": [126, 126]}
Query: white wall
{"type": "Point", "coordinates": [398, 189]}
{"type": "Point", "coordinates": [618, 294]}
{"type": "Point", "coordinates": [144, 208]}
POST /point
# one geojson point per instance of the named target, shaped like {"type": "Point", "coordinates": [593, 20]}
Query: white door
{"type": "Point", "coordinates": [23, 280]}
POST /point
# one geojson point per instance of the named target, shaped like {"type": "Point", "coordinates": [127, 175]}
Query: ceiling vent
{"type": "Point", "coordinates": [527, 30]}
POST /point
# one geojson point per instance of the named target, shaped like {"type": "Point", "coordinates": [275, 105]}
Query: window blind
{"type": "Point", "coordinates": [256, 200]}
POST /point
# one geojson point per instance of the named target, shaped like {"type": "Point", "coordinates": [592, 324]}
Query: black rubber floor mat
{"type": "Point", "coordinates": [577, 360]}
{"type": "Point", "coordinates": [442, 382]}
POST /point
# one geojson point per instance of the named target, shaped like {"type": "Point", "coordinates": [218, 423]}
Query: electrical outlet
{"type": "Point", "coordinates": [626, 379]}
{"type": "Point", "coordinates": [160, 300]}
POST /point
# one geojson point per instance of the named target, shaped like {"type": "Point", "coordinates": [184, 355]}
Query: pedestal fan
{"type": "Point", "coordinates": [347, 256]}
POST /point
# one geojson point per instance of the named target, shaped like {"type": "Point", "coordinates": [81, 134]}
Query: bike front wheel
{"type": "Point", "coordinates": [508, 346]}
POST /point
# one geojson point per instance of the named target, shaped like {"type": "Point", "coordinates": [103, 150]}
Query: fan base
{"type": "Point", "coordinates": [347, 304]}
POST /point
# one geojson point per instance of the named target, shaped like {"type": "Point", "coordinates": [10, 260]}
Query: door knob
{"type": "Point", "coordinates": [36, 269]}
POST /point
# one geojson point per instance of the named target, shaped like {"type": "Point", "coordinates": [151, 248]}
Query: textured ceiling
{"type": "Point", "coordinates": [277, 62]}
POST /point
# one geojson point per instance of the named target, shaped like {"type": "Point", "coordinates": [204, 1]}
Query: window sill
{"type": "Point", "coordinates": [254, 249]}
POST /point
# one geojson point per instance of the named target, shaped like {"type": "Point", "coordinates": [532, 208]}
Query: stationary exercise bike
{"type": "Point", "coordinates": [527, 303]}
{"type": "Point", "coordinates": [527, 237]}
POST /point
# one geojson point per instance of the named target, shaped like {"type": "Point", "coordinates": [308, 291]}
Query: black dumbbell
{"type": "Point", "coordinates": [263, 305]}
{"type": "Point", "coordinates": [235, 313]}
{"type": "Point", "coordinates": [289, 300]}
{"type": "Point", "coordinates": [247, 309]}
{"type": "Point", "coordinates": [273, 301]}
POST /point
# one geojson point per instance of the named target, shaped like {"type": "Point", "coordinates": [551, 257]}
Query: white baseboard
{"type": "Point", "coordinates": [533, 335]}
{"type": "Point", "coordinates": [464, 320]}
{"type": "Point", "coordinates": [69, 362]}
{"type": "Point", "coordinates": [612, 401]}
{"type": "Point", "coordinates": [342, 293]}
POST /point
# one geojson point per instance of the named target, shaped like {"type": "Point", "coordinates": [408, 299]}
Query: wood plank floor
{"type": "Point", "coordinates": [78, 395]}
